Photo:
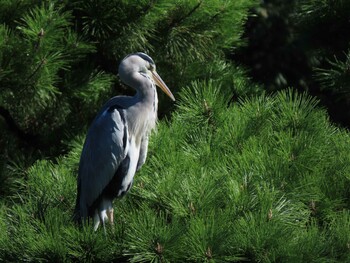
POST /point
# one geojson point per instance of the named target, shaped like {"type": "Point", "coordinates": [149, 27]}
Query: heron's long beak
{"type": "Point", "coordinates": [160, 83]}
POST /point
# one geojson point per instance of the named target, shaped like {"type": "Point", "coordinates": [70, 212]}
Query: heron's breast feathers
{"type": "Point", "coordinates": [142, 124]}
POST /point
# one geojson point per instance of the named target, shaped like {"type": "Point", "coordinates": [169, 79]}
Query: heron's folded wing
{"type": "Point", "coordinates": [103, 151]}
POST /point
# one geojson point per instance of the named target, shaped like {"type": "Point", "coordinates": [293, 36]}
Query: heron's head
{"type": "Point", "coordinates": [139, 67]}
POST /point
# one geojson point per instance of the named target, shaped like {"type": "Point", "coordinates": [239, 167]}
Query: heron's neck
{"type": "Point", "coordinates": [147, 95]}
{"type": "Point", "coordinates": [142, 114]}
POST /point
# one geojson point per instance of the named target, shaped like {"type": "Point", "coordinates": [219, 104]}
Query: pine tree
{"type": "Point", "coordinates": [265, 179]}
{"type": "Point", "coordinates": [251, 177]}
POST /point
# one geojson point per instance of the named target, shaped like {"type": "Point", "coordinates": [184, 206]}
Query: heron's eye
{"type": "Point", "coordinates": [152, 67]}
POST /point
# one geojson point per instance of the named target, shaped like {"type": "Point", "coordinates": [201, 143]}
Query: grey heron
{"type": "Point", "coordinates": [117, 140]}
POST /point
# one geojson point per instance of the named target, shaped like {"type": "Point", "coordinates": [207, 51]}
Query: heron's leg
{"type": "Point", "coordinates": [97, 220]}
{"type": "Point", "coordinates": [104, 227]}
{"type": "Point", "coordinates": [103, 218]}
{"type": "Point", "coordinates": [110, 214]}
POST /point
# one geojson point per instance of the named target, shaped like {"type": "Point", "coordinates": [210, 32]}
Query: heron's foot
{"type": "Point", "coordinates": [102, 218]}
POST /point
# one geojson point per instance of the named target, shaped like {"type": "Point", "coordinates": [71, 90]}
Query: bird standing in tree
{"type": "Point", "coordinates": [117, 140]}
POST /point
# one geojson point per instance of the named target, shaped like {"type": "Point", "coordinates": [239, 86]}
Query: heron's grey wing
{"type": "Point", "coordinates": [104, 149]}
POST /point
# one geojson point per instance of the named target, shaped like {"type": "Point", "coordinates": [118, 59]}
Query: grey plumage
{"type": "Point", "coordinates": [117, 140]}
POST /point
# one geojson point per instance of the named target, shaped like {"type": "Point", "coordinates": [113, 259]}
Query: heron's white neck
{"type": "Point", "coordinates": [144, 111]}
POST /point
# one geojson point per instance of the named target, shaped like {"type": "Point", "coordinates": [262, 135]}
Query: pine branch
{"type": "Point", "coordinates": [179, 21]}
{"type": "Point", "coordinates": [148, 7]}
{"type": "Point", "coordinates": [42, 62]}
{"type": "Point", "coordinates": [28, 138]}
{"type": "Point", "coordinates": [233, 99]}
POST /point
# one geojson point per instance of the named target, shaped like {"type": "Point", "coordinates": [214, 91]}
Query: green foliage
{"type": "Point", "coordinates": [265, 180]}
{"type": "Point", "coordinates": [233, 175]}
{"type": "Point", "coordinates": [34, 56]}
{"type": "Point", "coordinates": [262, 169]}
